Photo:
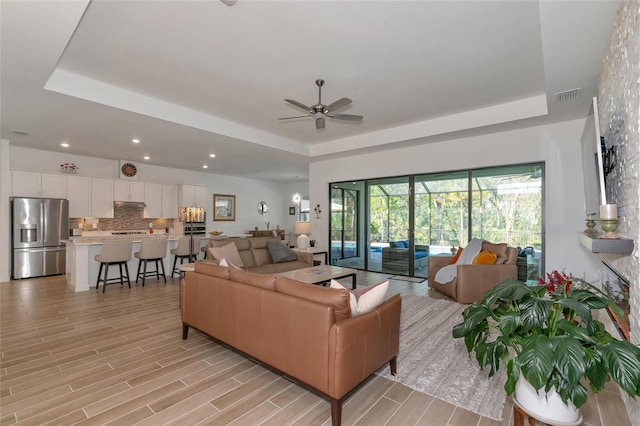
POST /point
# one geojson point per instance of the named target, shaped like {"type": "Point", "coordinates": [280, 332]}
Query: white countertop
{"type": "Point", "coordinates": [84, 241]}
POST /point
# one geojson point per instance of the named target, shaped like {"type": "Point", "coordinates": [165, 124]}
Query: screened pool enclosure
{"type": "Point", "coordinates": [394, 224]}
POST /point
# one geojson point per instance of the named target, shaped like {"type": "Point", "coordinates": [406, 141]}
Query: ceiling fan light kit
{"type": "Point", "coordinates": [319, 111]}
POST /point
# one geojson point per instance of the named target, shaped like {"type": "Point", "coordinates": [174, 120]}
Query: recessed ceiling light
{"type": "Point", "coordinates": [64, 145]}
{"type": "Point", "coordinates": [146, 157]}
{"type": "Point", "coordinates": [135, 140]}
{"type": "Point", "coordinates": [212, 155]}
{"type": "Point", "coordinates": [205, 167]}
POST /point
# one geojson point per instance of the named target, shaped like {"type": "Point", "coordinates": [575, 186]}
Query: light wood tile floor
{"type": "Point", "coordinates": [119, 358]}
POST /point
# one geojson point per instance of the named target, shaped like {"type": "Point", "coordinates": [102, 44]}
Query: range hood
{"type": "Point", "coordinates": [130, 203]}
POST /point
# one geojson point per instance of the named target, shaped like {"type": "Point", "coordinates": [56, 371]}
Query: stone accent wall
{"type": "Point", "coordinates": [125, 218]}
{"type": "Point", "coordinates": [619, 105]}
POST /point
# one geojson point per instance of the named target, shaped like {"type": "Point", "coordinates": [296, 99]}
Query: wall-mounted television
{"type": "Point", "coordinates": [592, 163]}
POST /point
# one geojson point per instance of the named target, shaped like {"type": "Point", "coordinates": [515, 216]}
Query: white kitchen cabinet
{"type": "Point", "coordinates": [193, 195]}
{"type": "Point", "coordinates": [153, 200]}
{"type": "Point", "coordinates": [34, 184]}
{"type": "Point", "coordinates": [101, 197]}
{"type": "Point", "coordinates": [124, 190]}
{"type": "Point", "coordinates": [54, 186]}
{"type": "Point", "coordinates": [26, 184]}
{"type": "Point", "coordinates": [169, 201]}
{"type": "Point", "coordinates": [202, 196]}
{"type": "Point", "coordinates": [79, 196]}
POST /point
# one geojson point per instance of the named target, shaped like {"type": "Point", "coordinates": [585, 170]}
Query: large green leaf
{"type": "Point", "coordinates": [479, 333]}
{"type": "Point", "coordinates": [509, 289]}
{"type": "Point", "coordinates": [622, 359]}
{"type": "Point", "coordinates": [573, 392]}
{"type": "Point", "coordinates": [534, 312]}
{"type": "Point", "coordinates": [582, 310]}
{"type": "Point", "coordinates": [495, 351]}
{"type": "Point", "coordinates": [569, 358]}
{"type": "Point", "coordinates": [536, 359]}
{"type": "Point", "coordinates": [596, 372]}
{"type": "Point", "coordinates": [571, 329]}
{"type": "Point", "coordinates": [473, 315]}
{"type": "Point", "coordinates": [509, 322]}
{"type": "Point", "coordinates": [513, 374]}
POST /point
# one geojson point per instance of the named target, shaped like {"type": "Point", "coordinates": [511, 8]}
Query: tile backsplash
{"type": "Point", "coordinates": [125, 217]}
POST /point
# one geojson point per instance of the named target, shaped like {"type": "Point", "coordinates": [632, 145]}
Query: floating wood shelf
{"type": "Point", "coordinates": [605, 245]}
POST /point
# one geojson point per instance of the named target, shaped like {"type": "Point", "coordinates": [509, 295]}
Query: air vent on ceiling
{"type": "Point", "coordinates": [568, 95]}
{"type": "Point", "coordinates": [20, 132]}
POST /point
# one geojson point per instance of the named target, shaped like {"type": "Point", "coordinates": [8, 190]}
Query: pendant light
{"type": "Point", "coordinates": [296, 197]}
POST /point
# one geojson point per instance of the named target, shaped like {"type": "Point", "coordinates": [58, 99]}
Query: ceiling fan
{"type": "Point", "coordinates": [319, 111]}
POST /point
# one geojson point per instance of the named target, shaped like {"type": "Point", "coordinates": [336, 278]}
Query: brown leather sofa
{"type": "Point", "coordinates": [301, 330]}
{"type": "Point", "coordinates": [472, 281]}
{"type": "Point", "coordinates": [256, 257]}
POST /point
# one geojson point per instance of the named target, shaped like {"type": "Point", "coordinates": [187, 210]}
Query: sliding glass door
{"type": "Point", "coordinates": [440, 216]}
{"type": "Point", "coordinates": [390, 245]}
{"type": "Point", "coordinates": [403, 220]}
{"type": "Point", "coordinates": [345, 229]}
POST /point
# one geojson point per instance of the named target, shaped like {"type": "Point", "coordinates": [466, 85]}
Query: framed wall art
{"type": "Point", "coordinates": [292, 211]}
{"type": "Point", "coordinates": [224, 207]}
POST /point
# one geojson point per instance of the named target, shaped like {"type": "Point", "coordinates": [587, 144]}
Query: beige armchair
{"type": "Point", "coordinates": [472, 281]}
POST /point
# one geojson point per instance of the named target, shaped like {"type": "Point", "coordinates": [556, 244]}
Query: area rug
{"type": "Point", "coordinates": [433, 362]}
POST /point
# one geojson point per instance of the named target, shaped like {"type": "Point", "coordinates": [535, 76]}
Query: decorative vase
{"type": "Point", "coordinates": [545, 406]}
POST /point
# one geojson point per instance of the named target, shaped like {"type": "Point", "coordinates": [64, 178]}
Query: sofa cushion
{"type": "Point", "coordinates": [229, 252]}
{"type": "Point", "coordinates": [365, 299]}
{"type": "Point", "coordinates": [212, 269]}
{"type": "Point", "coordinates": [265, 281]}
{"type": "Point", "coordinates": [499, 249]}
{"type": "Point", "coordinates": [405, 243]}
{"type": "Point", "coordinates": [485, 258]}
{"type": "Point", "coordinates": [456, 256]}
{"type": "Point", "coordinates": [276, 268]}
{"type": "Point", "coordinates": [396, 244]}
{"type": "Point", "coordinates": [335, 298]}
{"type": "Point", "coordinates": [281, 253]}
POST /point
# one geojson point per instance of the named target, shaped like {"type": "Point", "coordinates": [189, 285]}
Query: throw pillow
{"type": "Point", "coordinates": [499, 249]}
{"type": "Point", "coordinates": [229, 252]}
{"type": "Point", "coordinates": [366, 299]}
{"type": "Point", "coordinates": [405, 243]}
{"type": "Point", "coordinates": [485, 258]}
{"type": "Point", "coordinates": [281, 253]}
{"type": "Point", "coordinates": [396, 244]}
{"type": "Point", "coordinates": [456, 257]}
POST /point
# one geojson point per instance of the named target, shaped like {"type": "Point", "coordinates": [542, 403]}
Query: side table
{"type": "Point", "coordinates": [315, 250]}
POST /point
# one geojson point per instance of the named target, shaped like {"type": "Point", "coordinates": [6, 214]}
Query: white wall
{"type": "Point", "coordinates": [5, 190]}
{"type": "Point", "coordinates": [558, 145]}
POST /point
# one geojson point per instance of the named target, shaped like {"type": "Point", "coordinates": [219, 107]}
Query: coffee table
{"type": "Point", "coordinates": [321, 274]}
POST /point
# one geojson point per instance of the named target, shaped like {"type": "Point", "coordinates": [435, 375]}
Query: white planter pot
{"type": "Point", "coordinates": [547, 407]}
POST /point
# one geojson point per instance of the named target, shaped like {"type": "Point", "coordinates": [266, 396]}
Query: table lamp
{"type": "Point", "coordinates": [302, 229]}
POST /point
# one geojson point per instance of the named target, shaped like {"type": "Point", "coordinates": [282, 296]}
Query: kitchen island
{"type": "Point", "coordinates": [82, 268]}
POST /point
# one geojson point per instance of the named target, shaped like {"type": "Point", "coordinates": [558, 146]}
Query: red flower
{"type": "Point", "coordinates": [556, 282]}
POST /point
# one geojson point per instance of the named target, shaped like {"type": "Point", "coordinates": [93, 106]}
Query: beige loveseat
{"type": "Point", "coordinates": [256, 257]}
{"type": "Point", "coordinates": [472, 281]}
{"type": "Point", "coordinates": [304, 331]}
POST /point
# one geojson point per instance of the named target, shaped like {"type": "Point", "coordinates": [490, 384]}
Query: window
{"type": "Point", "coordinates": [433, 214]}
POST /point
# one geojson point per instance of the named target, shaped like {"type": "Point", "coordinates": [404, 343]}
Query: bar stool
{"type": "Point", "coordinates": [114, 253]}
{"type": "Point", "coordinates": [182, 251]}
{"type": "Point", "coordinates": [151, 250]}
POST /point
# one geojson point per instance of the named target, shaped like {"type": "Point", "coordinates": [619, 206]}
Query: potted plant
{"type": "Point", "coordinates": [546, 335]}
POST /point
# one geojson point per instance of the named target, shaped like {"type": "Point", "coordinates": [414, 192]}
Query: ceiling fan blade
{"type": "Point", "coordinates": [349, 117]}
{"type": "Point", "coordinates": [320, 123]}
{"type": "Point", "coordinates": [291, 118]}
{"type": "Point", "coordinates": [340, 103]}
{"type": "Point", "coordinates": [299, 105]}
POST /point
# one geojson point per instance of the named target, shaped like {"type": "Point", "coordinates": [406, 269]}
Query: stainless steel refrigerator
{"type": "Point", "coordinates": [38, 226]}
